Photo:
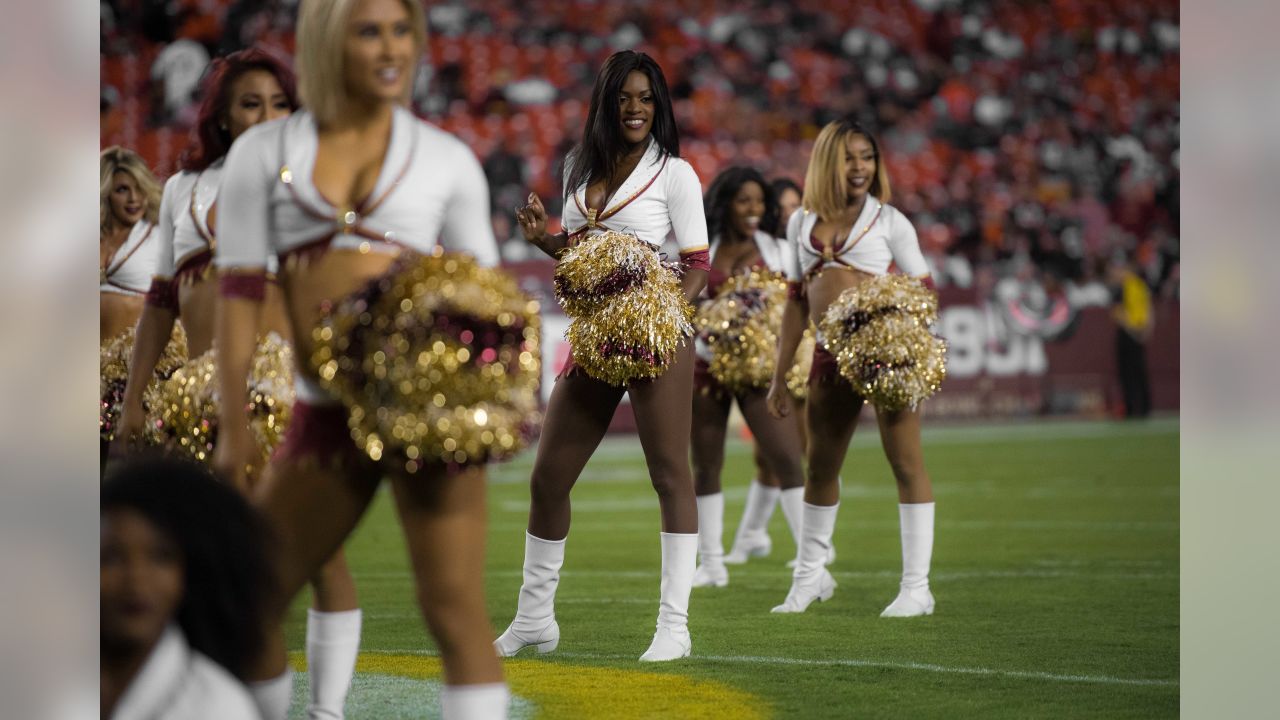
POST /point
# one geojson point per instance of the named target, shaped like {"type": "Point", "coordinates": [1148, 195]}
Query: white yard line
{"type": "Point", "coordinates": [861, 663]}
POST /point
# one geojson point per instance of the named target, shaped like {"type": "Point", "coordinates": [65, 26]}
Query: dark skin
{"type": "Point", "coordinates": [833, 407]}
{"type": "Point", "coordinates": [778, 440]}
{"type": "Point", "coordinates": [581, 406]}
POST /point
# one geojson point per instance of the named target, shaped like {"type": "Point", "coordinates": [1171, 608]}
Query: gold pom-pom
{"type": "Point", "coordinates": [879, 333]}
{"type": "Point", "coordinates": [740, 326]}
{"type": "Point", "coordinates": [798, 375]}
{"type": "Point", "coordinates": [113, 367]}
{"type": "Point", "coordinates": [438, 361]}
{"type": "Point", "coordinates": [187, 405]}
{"type": "Point", "coordinates": [628, 314]}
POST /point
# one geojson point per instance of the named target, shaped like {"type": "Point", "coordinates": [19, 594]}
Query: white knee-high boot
{"type": "Point", "coordinates": [711, 571]}
{"type": "Point", "coordinates": [752, 538]}
{"type": "Point", "coordinates": [535, 621]}
{"type": "Point", "coordinates": [273, 696]}
{"type": "Point", "coordinates": [671, 641]}
{"type": "Point", "coordinates": [475, 702]}
{"type": "Point", "coordinates": [914, 597]}
{"type": "Point", "coordinates": [333, 642]}
{"type": "Point", "coordinates": [811, 580]}
{"type": "Point", "coordinates": [792, 502]}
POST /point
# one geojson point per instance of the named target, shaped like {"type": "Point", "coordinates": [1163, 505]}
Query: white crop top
{"type": "Point", "coordinates": [882, 235]}
{"type": "Point", "coordinates": [662, 196]}
{"type": "Point", "coordinates": [430, 190]}
{"type": "Point", "coordinates": [131, 268]}
{"type": "Point", "coordinates": [771, 250]}
{"type": "Point", "coordinates": [183, 230]}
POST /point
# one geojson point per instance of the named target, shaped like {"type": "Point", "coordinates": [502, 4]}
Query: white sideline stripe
{"type": "Point", "coordinates": [850, 574]}
{"type": "Point", "coordinates": [857, 663]}
{"type": "Point", "coordinates": [868, 435]}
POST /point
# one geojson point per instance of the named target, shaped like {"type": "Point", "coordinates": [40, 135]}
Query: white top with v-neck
{"type": "Point", "coordinates": [131, 267]}
{"type": "Point", "coordinates": [661, 197]}
{"type": "Point", "coordinates": [430, 190]}
{"type": "Point", "coordinates": [889, 238]}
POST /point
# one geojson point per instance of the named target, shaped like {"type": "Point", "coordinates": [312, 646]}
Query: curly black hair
{"type": "Point", "coordinates": [224, 544]}
{"type": "Point", "coordinates": [720, 196]}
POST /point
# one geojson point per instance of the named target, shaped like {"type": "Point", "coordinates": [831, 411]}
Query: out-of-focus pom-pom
{"type": "Point", "coordinates": [438, 362]}
{"type": "Point", "coordinates": [879, 333]}
{"type": "Point", "coordinates": [798, 375]}
{"type": "Point", "coordinates": [628, 313]}
{"type": "Point", "coordinates": [113, 366]}
{"type": "Point", "coordinates": [740, 326]}
{"type": "Point", "coordinates": [187, 405]}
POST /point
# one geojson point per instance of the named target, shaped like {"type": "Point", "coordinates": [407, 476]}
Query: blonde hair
{"type": "Point", "coordinates": [321, 30]}
{"type": "Point", "coordinates": [117, 159]}
{"type": "Point", "coordinates": [826, 184]}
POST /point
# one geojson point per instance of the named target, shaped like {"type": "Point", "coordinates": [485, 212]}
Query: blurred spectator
{"type": "Point", "coordinates": [1131, 309]}
{"type": "Point", "coordinates": [1016, 129]}
{"type": "Point", "coordinates": [175, 77]}
{"type": "Point", "coordinates": [184, 573]}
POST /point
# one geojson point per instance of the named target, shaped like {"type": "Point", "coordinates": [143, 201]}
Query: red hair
{"type": "Point", "coordinates": [210, 140]}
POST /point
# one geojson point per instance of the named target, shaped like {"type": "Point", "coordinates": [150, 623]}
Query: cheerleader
{"type": "Point", "coordinates": [742, 221]}
{"type": "Point", "coordinates": [845, 234]}
{"type": "Point", "coordinates": [625, 175]}
{"type": "Point", "coordinates": [129, 203]}
{"type": "Point", "coordinates": [336, 192]}
{"type": "Point", "coordinates": [244, 89]}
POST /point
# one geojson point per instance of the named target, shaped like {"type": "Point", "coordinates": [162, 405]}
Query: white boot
{"type": "Point", "coordinates": [752, 538]}
{"type": "Point", "coordinates": [333, 642]}
{"type": "Point", "coordinates": [711, 571]}
{"type": "Point", "coordinates": [914, 598]}
{"type": "Point", "coordinates": [792, 502]}
{"type": "Point", "coordinates": [671, 641]}
{"type": "Point", "coordinates": [535, 621]}
{"type": "Point", "coordinates": [273, 696]}
{"type": "Point", "coordinates": [475, 702]}
{"type": "Point", "coordinates": [811, 580]}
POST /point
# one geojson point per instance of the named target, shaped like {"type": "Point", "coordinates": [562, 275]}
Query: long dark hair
{"type": "Point", "coordinates": [719, 200]}
{"type": "Point", "coordinates": [596, 157]}
{"type": "Point", "coordinates": [210, 140]}
{"type": "Point", "coordinates": [224, 546]}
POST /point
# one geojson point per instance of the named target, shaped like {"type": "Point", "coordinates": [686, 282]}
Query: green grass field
{"type": "Point", "coordinates": [1055, 571]}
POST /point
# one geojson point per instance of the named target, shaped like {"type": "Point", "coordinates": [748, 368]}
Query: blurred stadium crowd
{"type": "Point", "coordinates": [1030, 143]}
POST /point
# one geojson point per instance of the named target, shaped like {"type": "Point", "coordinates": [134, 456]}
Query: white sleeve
{"type": "Point", "coordinates": [791, 247]}
{"type": "Point", "coordinates": [905, 246]}
{"type": "Point", "coordinates": [467, 227]}
{"type": "Point", "coordinates": [684, 205]}
{"type": "Point", "coordinates": [244, 200]}
{"type": "Point", "coordinates": [164, 230]}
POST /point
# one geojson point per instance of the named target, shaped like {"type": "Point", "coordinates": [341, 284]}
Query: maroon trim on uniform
{"type": "Point", "coordinates": [796, 290]}
{"type": "Point", "coordinates": [163, 294]}
{"type": "Point", "coordinates": [704, 382]}
{"type": "Point", "coordinates": [318, 431]}
{"type": "Point", "coordinates": [247, 286]}
{"type": "Point", "coordinates": [696, 260]}
{"type": "Point", "coordinates": [824, 367]}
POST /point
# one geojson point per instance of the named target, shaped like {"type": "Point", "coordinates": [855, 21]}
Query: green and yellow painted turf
{"type": "Point", "coordinates": [1055, 571]}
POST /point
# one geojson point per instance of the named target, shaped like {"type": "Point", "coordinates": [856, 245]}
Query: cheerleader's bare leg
{"type": "Point", "coordinates": [312, 505]}
{"type": "Point", "coordinates": [443, 516]}
{"type": "Point", "coordinates": [577, 417]}
{"type": "Point", "coordinates": [663, 419]}
{"type": "Point", "coordinates": [900, 437]}
{"type": "Point", "coordinates": [832, 410]}
{"type": "Point", "coordinates": [779, 442]}
{"type": "Point", "coordinates": [710, 422]}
